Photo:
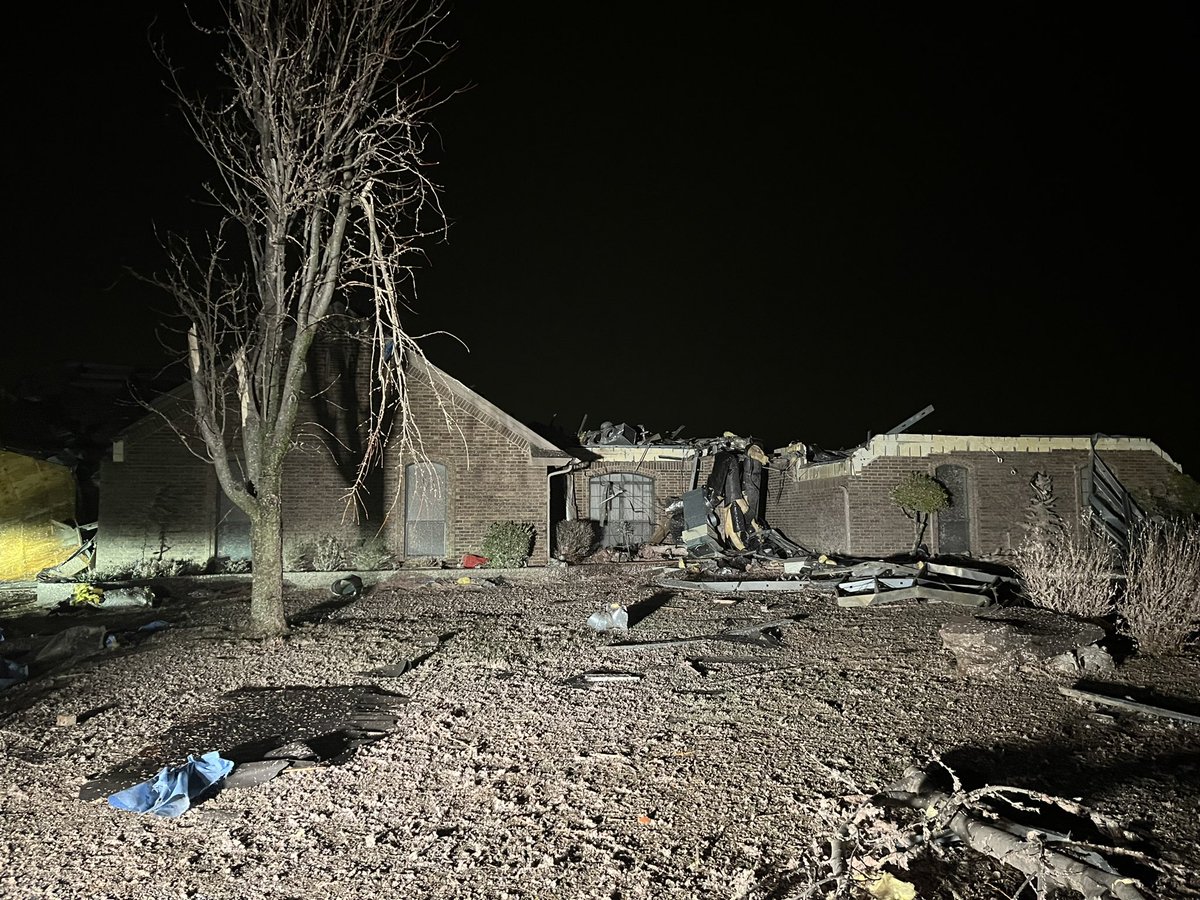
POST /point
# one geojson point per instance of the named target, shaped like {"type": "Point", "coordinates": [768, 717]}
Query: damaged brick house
{"type": "Point", "coordinates": [841, 503]}
{"type": "Point", "coordinates": [159, 500]}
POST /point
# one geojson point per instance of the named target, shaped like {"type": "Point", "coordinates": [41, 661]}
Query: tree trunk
{"type": "Point", "coordinates": [919, 523]}
{"type": "Point", "coordinates": [266, 536]}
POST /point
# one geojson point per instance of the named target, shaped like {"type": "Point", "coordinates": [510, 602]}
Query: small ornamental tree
{"type": "Point", "coordinates": [919, 496]}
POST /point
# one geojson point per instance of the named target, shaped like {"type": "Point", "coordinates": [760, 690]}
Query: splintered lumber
{"type": "Point", "coordinates": [1130, 705]}
{"type": "Point", "coordinates": [733, 587]}
{"type": "Point", "coordinates": [917, 592]}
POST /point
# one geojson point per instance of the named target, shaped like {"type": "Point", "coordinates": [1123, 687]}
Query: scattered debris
{"type": "Point", "coordinates": [1090, 659]}
{"type": "Point", "coordinates": [916, 592]}
{"type": "Point", "coordinates": [321, 724]}
{"type": "Point", "coordinates": [1130, 705]}
{"type": "Point", "coordinates": [473, 561]}
{"type": "Point", "coordinates": [589, 680]}
{"type": "Point", "coordinates": [615, 617]}
{"type": "Point", "coordinates": [175, 788]}
{"type": "Point", "coordinates": [348, 588]}
{"type": "Point", "coordinates": [731, 587]}
{"type": "Point", "coordinates": [255, 773]}
{"type": "Point", "coordinates": [130, 596]}
{"type": "Point", "coordinates": [72, 643]}
{"type": "Point", "coordinates": [763, 634]}
{"type": "Point", "coordinates": [985, 645]}
{"type": "Point", "coordinates": [929, 807]}
{"type": "Point", "coordinates": [86, 595]}
{"type": "Point", "coordinates": [68, 720]}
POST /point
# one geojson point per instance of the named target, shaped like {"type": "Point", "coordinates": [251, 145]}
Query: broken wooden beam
{"type": "Point", "coordinates": [917, 592]}
{"type": "Point", "coordinates": [1129, 705]}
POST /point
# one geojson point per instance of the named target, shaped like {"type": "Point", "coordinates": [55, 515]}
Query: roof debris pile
{"type": "Point", "coordinates": [859, 582]}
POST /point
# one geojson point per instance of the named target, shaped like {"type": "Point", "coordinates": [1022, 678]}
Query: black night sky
{"type": "Point", "coordinates": [800, 226]}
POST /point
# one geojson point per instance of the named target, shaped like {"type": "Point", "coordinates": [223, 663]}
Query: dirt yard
{"type": "Point", "coordinates": [710, 777]}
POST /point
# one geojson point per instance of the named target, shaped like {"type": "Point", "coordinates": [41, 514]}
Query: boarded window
{"type": "Point", "coordinates": [425, 509]}
{"type": "Point", "coordinates": [954, 522]}
{"type": "Point", "coordinates": [623, 504]}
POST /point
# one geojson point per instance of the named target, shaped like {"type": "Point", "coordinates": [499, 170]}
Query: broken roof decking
{"type": "Point", "coordinates": [919, 445]}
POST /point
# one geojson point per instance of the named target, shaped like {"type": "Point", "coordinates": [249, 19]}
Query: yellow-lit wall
{"type": "Point", "coordinates": [33, 494]}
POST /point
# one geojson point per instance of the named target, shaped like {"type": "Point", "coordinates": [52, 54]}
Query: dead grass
{"type": "Point", "coordinates": [1161, 604]}
{"type": "Point", "coordinates": [1069, 573]}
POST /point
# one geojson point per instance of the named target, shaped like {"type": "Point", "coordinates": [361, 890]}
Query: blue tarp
{"type": "Point", "coordinates": [173, 790]}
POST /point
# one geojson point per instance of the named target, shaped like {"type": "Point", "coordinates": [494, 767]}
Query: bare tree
{"type": "Point", "coordinates": [319, 147]}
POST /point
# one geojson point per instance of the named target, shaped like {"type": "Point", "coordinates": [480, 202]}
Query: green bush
{"type": "Point", "coordinates": [576, 538]}
{"type": "Point", "coordinates": [919, 496]}
{"type": "Point", "coordinates": [507, 545]}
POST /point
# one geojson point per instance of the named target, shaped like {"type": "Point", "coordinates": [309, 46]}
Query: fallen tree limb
{"type": "Point", "coordinates": [1025, 848]}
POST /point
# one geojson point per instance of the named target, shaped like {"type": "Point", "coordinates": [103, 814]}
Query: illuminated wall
{"type": "Point", "coordinates": [35, 498]}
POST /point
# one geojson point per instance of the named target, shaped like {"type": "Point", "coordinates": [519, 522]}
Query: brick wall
{"type": "Point", "coordinates": [812, 511]}
{"type": "Point", "coordinates": [161, 487]}
{"type": "Point", "coordinates": [159, 495]}
{"type": "Point", "coordinates": [490, 475]}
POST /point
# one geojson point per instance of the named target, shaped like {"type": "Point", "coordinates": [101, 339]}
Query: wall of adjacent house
{"type": "Point", "coordinates": [157, 501]}
{"type": "Point", "coordinates": [160, 487]}
{"type": "Point", "coordinates": [37, 498]}
{"type": "Point", "coordinates": [489, 473]}
{"type": "Point", "coordinates": [812, 511]}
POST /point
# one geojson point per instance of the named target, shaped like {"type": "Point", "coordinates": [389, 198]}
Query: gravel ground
{"type": "Point", "coordinates": [501, 781]}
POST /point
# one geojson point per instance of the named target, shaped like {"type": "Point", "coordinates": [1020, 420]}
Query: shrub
{"type": "Point", "coordinates": [371, 554]}
{"type": "Point", "coordinates": [919, 496]}
{"type": "Point", "coordinates": [1068, 573]}
{"type": "Point", "coordinates": [328, 553]}
{"type": "Point", "coordinates": [507, 545]}
{"type": "Point", "coordinates": [1161, 603]}
{"type": "Point", "coordinates": [576, 538]}
{"type": "Point", "coordinates": [163, 568]}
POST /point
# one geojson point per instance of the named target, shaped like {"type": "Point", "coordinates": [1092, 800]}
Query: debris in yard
{"type": "Point", "coordinates": [67, 720]}
{"type": "Point", "coordinates": [589, 680]}
{"type": "Point", "coordinates": [1021, 637]}
{"type": "Point", "coordinates": [916, 592]}
{"type": "Point", "coordinates": [888, 887]}
{"type": "Point", "coordinates": [130, 596]}
{"type": "Point", "coordinates": [71, 643]}
{"type": "Point", "coordinates": [613, 618]}
{"type": "Point", "coordinates": [136, 636]}
{"type": "Point", "coordinates": [1130, 705]}
{"type": "Point", "coordinates": [732, 587]}
{"type": "Point", "coordinates": [318, 724]}
{"type": "Point", "coordinates": [929, 808]}
{"type": "Point", "coordinates": [175, 788]}
{"type": "Point", "coordinates": [252, 774]}
{"type": "Point", "coordinates": [87, 595]}
{"type": "Point", "coordinates": [473, 561]}
{"type": "Point", "coordinates": [348, 588]}
{"type": "Point", "coordinates": [12, 672]}
{"type": "Point", "coordinates": [1087, 660]}
{"type": "Point", "coordinates": [764, 634]}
